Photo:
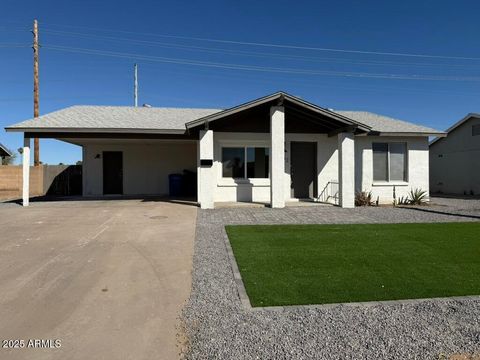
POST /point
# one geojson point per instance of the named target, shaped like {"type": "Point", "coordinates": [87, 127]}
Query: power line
{"type": "Point", "coordinates": [285, 46]}
{"type": "Point", "coordinates": [259, 68]}
{"type": "Point", "coordinates": [246, 53]}
{"type": "Point", "coordinates": [12, 45]}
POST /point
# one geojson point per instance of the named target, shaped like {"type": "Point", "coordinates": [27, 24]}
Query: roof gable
{"type": "Point", "coordinates": [279, 98]}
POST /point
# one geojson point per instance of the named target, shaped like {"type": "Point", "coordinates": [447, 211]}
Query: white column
{"type": "Point", "coordinates": [206, 174]}
{"type": "Point", "coordinates": [346, 169]}
{"type": "Point", "coordinates": [277, 156]}
{"type": "Point", "coordinates": [26, 171]}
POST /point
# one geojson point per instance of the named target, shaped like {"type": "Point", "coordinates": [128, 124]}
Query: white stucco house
{"type": "Point", "coordinates": [274, 149]}
{"type": "Point", "coordinates": [455, 159]}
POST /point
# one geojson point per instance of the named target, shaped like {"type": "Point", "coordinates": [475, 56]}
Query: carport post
{"type": "Point", "coordinates": [26, 171]}
{"type": "Point", "coordinates": [346, 169]}
{"type": "Point", "coordinates": [277, 156]}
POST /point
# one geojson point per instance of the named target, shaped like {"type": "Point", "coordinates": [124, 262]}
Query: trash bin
{"type": "Point", "coordinates": [175, 184]}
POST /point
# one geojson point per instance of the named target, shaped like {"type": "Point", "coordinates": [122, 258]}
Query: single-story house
{"type": "Point", "coordinates": [455, 159]}
{"type": "Point", "coordinates": [274, 149]}
{"type": "Point", "coordinates": [4, 152]}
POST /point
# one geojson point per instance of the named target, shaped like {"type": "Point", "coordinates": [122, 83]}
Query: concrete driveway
{"type": "Point", "coordinates": [106, 278]}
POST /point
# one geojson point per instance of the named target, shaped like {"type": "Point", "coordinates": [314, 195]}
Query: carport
{"type": "Point", "coordinates": [125, 150]}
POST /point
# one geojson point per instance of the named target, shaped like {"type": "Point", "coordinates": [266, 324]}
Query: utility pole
{"type": "Point", "coordinates": [135, 85]}
{"type": "Point", "coordinates": [36, 143]}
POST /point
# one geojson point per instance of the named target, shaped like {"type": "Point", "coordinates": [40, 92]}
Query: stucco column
{"type": "Point", "coordinates": [346, 169]}
{"type": "Point", "coordinates": [206, 173]}
{"type": "Point", "coordinates": [26, 171]}
{"type": "Point", "coordinates": [277, 156]}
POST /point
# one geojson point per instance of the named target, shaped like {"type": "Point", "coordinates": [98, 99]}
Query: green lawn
{"type": "Point", "coordinates": [318, 264]}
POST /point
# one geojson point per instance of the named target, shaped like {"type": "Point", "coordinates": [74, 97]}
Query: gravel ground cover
{"type": "Point", "coordinates": [219, 327]}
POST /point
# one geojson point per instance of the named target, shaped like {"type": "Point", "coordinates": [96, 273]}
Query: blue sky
{"type": "Point", "coordinates": [435, 89]}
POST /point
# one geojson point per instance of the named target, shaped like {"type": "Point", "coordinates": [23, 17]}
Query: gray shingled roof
{"type": "Point", "coordinates": [174, 119]}
{"type": "Point", "coordinates": [116, 117]}
{"type": "Point", "coordinates": [385, 124]}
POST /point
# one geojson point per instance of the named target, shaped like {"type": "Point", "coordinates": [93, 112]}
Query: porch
{"type": "Point", "coordinates": [276, 150]}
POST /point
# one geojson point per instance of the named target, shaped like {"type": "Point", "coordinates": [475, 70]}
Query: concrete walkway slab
{"type": "Point", "coordinates": [107, 278]}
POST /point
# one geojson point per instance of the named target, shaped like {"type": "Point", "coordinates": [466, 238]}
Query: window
{"type": "Point", "coordinates": [245, 162]}
{"type": "Point", "coordinates": [476, 130]}
{"type": "Point", "coordinates": [233, 160]}
{"type": "Point", "coordinates": [389, 161]}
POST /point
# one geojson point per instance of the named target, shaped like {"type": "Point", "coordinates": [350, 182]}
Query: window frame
{"type": "Point", "coordinates": [245, 170]}
{"type": "Point", "coordinates": [406, 162]}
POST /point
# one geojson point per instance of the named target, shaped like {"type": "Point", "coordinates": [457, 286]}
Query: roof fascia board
{"type": "Point", "coordinates": [375, 133]}
{"type": "Point", "coordinates": [95, 130]}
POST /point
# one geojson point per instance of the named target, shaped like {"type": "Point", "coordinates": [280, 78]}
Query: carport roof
{"type": "Point", "coordinates": [127, 119]}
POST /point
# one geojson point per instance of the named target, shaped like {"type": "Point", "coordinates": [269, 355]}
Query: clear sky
{"type": "Point", "coordinates": [437, 84]}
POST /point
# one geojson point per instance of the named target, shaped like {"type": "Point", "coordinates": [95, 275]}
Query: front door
{"type": "Point", "coordinates": [303, 169]}
{"type": "Point", "coordinates": [112, 172]}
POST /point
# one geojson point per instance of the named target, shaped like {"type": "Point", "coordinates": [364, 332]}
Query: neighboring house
{"type": "Point", "coordinates": [4, 152]}
{"type": "Point", "coordinates": [274, 149]}
{"type": "Point", "coordinates": [455, 160]}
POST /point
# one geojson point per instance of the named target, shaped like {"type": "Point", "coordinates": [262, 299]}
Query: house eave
{"type": "Point", "coordinates": [404, 134]}
{"type": "Point", "coordinates": [95, 130]}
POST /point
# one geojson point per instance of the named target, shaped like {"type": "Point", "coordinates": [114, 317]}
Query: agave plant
{"type": "Point", "coordinates": [417, 197]}
{"type": "Point", "coordinates": [403, 200]}
{"type": "Point", "coordinates": [363, 198]}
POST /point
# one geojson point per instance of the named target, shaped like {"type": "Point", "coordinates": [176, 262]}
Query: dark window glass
{"type": "Point", "coordinates": [233, 160]}
{"type": "Point", "coordinates": [380, 161]}
{"type": "Point", "coordinates": [397, 162]}
{"type": "Point", "coordinates": [257, 162]}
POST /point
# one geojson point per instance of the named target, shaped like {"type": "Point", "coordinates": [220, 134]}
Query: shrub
{"type": "Point", "coordinates": [363, 198]}
{"type": "Point", "coordinates": [418, 197]}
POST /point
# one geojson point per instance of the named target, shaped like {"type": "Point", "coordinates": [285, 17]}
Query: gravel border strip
{"type": "Point", "coordinates": [242, 292]}
{"type": "Point", "coordinates": [218, 326]}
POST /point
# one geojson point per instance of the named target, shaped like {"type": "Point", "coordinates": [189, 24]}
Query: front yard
{"type": "Point", "coordinates": [319, 264]}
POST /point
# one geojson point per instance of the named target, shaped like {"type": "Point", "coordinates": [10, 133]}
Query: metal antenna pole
{"type": "Point", "coordinates": [135, 86]}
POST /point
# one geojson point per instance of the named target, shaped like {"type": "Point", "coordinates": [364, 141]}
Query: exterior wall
{"type": "Point", "coordinates": [41, 178]}
{"type": "Point", "coordinates": [455, 161]}
{"type": "Point", "coordinates": [417, 167]}
{"type": "Point", "coordinates": [145, 166]}
{"type": "Point", "coordinates": [258, 190]}
{"type": "Point", "coordinates": [11, 181]}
